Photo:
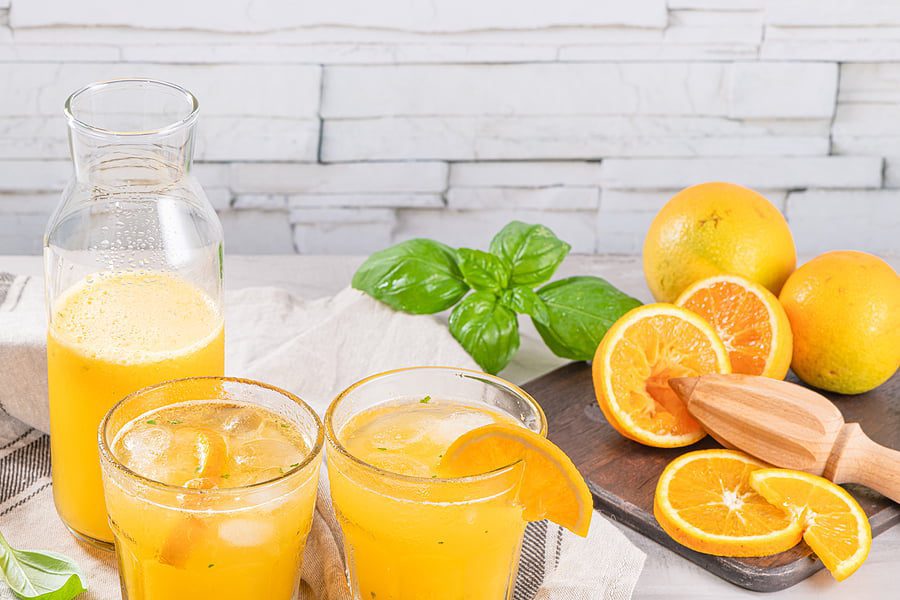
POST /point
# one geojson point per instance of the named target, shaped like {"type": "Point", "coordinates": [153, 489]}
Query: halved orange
{"type": "Point", "coordinates": [638, 355]}
{"type": "Point", "coordinates": [704, 501]}
{"type": "Point", "coordinates": [748, 318]}
{"type": "Point", "coordinates": [552, 488]}
{"type": "Point", "coordinates": [835, 525]}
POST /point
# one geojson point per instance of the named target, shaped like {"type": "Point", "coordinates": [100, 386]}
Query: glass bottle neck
{"type": "Point", "coordinates": [142, 159]}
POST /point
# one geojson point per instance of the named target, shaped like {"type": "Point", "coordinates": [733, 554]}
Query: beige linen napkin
{"type": "Point", "coordinates": [314, 349]}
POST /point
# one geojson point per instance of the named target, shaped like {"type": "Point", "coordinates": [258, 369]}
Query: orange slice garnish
{"type": "Point", "coordinates": [552, 488]}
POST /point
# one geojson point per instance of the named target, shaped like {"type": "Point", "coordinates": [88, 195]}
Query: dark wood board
{"type": "Point", "coordinates": [622, 474]}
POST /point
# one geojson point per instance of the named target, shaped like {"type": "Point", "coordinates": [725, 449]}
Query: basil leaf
{"type": "Point", "coordinates": [533, 251]}
{"type": "Point", "coordinates": [39, 575]}
{"type": "Point", "coordinates": [581, 310]}
{"type": "Point", "coordinates": [486, 329]}
{"type": "Point", "coordinates": [525, 300]}
{"type": "Point", "coordinates": [417, 276]}
{"type": "Point", "coordinates": [482, 270]}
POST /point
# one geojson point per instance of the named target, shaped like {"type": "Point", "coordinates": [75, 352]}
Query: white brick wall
{"type": "Point", "coordinates": [338, 128]}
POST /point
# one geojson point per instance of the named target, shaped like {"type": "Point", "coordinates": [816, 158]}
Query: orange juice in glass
{"type": "Point", "coordinates": [210, 486]}
{"type": "Point", "coordinates": [408, 532]}
{"type": "Point", "coordinates": [132, 273]}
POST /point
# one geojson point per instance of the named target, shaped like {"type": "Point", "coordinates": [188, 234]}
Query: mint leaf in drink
{"type": "Point", "coordinates": [35, 575]}
{"type": "Point", "coordinates": [525, 301]}
{"type": "Point", "coordinates": [417, 276]}
{"type": "Point", "coordinates": [487, 330]}
{"type": "Point", "coordinates": [533, 251]}
{"type": "Point", "coordinates": [580, 309]}
{"type": "Point", "coordinates": [483, 271]}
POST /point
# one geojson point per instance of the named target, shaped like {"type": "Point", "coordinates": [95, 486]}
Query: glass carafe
{"type": "Point", "coordinates": [133, 275]}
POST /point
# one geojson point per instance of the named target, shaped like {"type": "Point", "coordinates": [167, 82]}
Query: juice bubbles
{"type": "Point", "coordinates": [111, 335]}
{"type": "Point", "coordinates": [408, 534]}
{"type": "Point", "coordinates": [210, 498]}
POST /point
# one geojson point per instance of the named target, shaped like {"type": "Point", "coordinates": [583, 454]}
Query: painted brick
{"type": "Point", "coordinates": [667, 51]}
{"type": "Point", "coordinates": [476, 228]}
{"type": "Point", "coordinates": [257, 232]}
{"type": "Point", "coordinates": [740, 5]}
{"type": "Point", "coordinates": [257, 139]}
{"type": "Point", "coordinates": [827, 172]}
{"type": "Point", "coordinates": [524, 90]}
{"type": "Point", "coordinates": [22, 234]}
{"type": "Point", "coordinates": [34, 175]}
{"type": "Point", "coordinates": [57, 52]}
{"type": "Point", "coordinates": [846, 44]}
{"type": "Point", "coordinates": [789, 90]}
{"type": "Point", "coordinates": [498, 198]}
{"type": "Point", "coordinates": [807, 13]}
{"type": "Point", "coordinates": [29, 204]}
{"type": "Point", "coordinates": [555, 138]}
{"type": "Point", "coordinates": [870, 82]}
{"type": "Point", "coordinates": [361, 200]}
{"type": "Point", "coordinates": [622, 233]}
{"type": "Point", "coordinates": [852, 219]}
{"type": "Point", "coordinates": [633, 201]}
{"type": "Point", "coordinates": [542, 89]}
{"type": "Point", "coordinates": [341, 53]}
{"type": "Point", "coordinates": [524, 174]}
{"type": "Point", "coordinates": [346, 231]}
{"type": "Point", "coordinates": [260, 202]}
{"type": "Point", "coordinates": [245, 15]}
{"type": "Point", "coordinates": [289, 91]}
{"type": "Point", "coordinates": [338, 179]}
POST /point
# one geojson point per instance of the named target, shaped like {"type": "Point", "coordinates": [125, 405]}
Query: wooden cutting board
{"type": "Point", "coordinates": [622, 474]}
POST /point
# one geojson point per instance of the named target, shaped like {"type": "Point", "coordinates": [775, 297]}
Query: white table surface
{"type": "Point", "coordinates": [666, 576]}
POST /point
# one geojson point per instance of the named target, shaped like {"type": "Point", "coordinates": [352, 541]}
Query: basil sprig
{"type": "Point", "coordinates": [423, 276]}
{"type": "Point", "coordinates": [35, 575]}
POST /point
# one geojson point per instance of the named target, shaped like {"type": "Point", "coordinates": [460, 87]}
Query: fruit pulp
{"type": "Point", "coordinates": [418, 536]}
{"type": "Point", "coordinates": [111, 335]}
{"type": "Point", "coordinates": [221, 542]}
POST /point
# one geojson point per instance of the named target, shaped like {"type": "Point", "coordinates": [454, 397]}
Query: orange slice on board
{"type": "Point", "coordinates": [638, 355]}
{"type": "Point", "coordinates": [704, 501]}
{"type": "Point", "coordinates": [835, 525]}
{"type": "Point", "coordinates": [552, 488]}
{"type": "Point", "coordinates": [749, 320]}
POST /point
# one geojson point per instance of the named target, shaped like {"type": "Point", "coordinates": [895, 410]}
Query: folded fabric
{"type": "Point", "coordinates": [313, 348]}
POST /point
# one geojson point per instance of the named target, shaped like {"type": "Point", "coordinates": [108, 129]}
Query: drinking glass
{"type": "Point", "coordinates": [133, 275]}
{"type": "Point", "coordinates": [409, 537]}
{"type": "Point", "coordinates": [227, 543]}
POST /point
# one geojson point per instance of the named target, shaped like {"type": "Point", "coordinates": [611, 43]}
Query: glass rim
{"type": "Point", "coordinates": [107, 454]}
{"type": "Point", "coordinates": [99, 86]}
{"type": "Point", "coordinates": [335, 443]}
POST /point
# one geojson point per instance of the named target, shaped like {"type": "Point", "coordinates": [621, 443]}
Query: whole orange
{"type": "Point", "coordinates": [844, 309]}
{"type": "Point", "coordinates": [717, 228]}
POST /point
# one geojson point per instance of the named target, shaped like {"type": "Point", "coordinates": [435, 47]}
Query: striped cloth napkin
{"type": "Point", "coordinates": [314, 349]}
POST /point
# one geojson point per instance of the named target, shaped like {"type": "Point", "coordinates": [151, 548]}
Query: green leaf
{"type": "Point", "coordinates": [417, 276]}
{"type": "Point", "coordinates": [482, 270]}
{"type": "Point", "coordinates": [533, 251]}
{"type": "Point", "coordinates": [581, 310]}
{"type": "Point", "coordinates": [486, 329]}
{"type": "Point", "coordinates": [525, 301]}
{"type": "Point", "coordinates": [39, 575]}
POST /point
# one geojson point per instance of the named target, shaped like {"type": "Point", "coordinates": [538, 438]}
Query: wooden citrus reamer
{"type": "Point", "coordinates": [789, 426]}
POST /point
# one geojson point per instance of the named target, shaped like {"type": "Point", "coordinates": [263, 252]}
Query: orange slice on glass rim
{"type": "Point", "coordinates": [552, 488]}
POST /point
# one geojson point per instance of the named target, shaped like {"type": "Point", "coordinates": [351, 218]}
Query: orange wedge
{"type": "Point", "coordinates": [835, 526]}
{"type": "Point", "coordinates": [704, 501]}
{"type": "Point", "coordinates": [552, 488]}
{"type": "Point", "coordinates": [749, 320]}
{"type": "Point", "coordinates": [638, 355]}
